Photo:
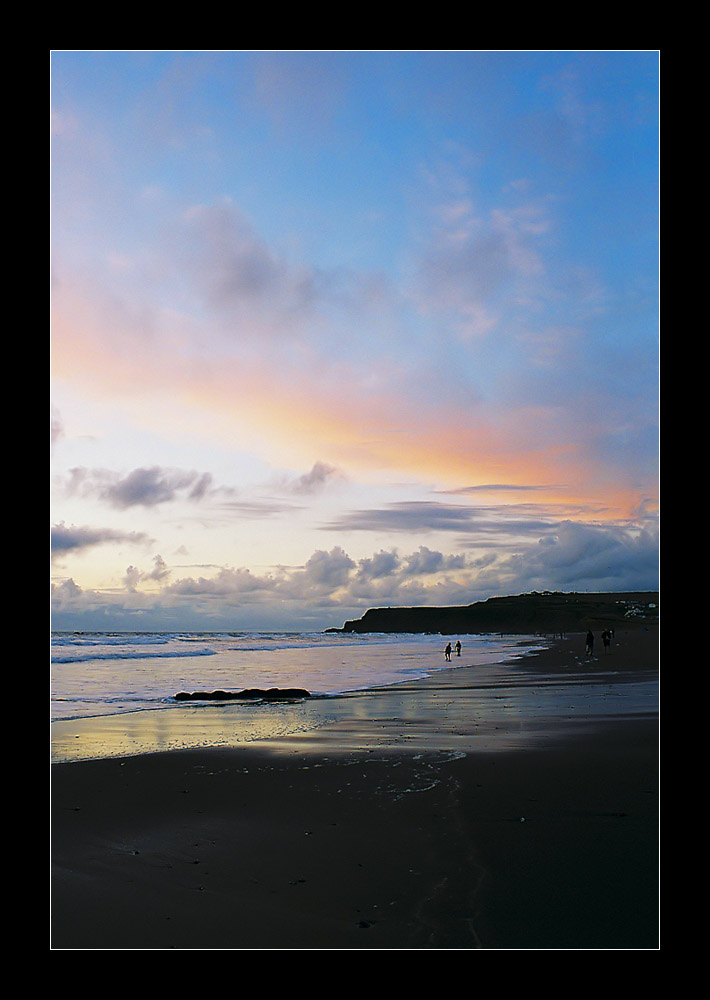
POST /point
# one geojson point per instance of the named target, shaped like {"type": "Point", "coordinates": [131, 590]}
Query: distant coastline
{"type": "Point", "coordinates": [534, 613]}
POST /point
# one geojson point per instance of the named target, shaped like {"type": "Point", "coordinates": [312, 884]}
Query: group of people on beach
{"type": "Point", "coordinates": [607, 636]}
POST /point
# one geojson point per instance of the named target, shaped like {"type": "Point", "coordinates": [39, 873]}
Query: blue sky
{"type": "Point", "coordinates": [332, 330]}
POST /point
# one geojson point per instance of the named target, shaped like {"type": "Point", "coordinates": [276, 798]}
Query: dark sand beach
{"type": "Point", "coordinates": [406, 827]}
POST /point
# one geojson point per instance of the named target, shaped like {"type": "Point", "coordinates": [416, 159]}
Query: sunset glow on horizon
{"type": "Point", "coordinates": [336, 330]}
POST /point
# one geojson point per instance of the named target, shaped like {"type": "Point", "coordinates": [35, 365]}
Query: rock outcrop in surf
{"type": "Point", "coordinates": [248, 694]}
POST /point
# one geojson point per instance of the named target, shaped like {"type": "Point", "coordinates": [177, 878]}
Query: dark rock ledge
{"type": "Point", "coordinates": [248, 694]}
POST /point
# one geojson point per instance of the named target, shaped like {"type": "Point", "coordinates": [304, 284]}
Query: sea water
{"type": "Point", "coordinates": [113, 693]}
{"type": "Point", "coordinates": [110, 673]}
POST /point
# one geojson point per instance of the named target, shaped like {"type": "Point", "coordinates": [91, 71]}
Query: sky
{"type": "Point", "coordinates": [333, 330]}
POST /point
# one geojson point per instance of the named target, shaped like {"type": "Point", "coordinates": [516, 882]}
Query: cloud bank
{"type": "Point", "coordinates": [332, 585]}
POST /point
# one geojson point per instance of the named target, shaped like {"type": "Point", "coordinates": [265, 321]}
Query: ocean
{"type": "Point", "coordinates": [113, 693]}
{"type": "Point", "coordinates": [109, 673]}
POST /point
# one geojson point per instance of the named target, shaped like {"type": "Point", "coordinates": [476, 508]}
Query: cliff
{"type": "Point", "coordinates": [545, 612]}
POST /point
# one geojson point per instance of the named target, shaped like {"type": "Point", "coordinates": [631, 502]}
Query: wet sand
{"type": "Point", "coordinates": [411, 821]}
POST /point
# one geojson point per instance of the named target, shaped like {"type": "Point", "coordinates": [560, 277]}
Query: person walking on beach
{"type": "Point", "coordinates": [458, 647]}
{"type": "Point", "coordinates": [590, 643]}
{"type": "Point", "coordinates": [447, 651]}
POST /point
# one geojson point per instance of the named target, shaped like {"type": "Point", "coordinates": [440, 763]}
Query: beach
{"type": "Point", "coordinates": [408, 821]}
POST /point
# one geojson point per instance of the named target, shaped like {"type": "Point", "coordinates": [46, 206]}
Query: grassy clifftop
{"type": "Point", "coordinates": [526, 613]}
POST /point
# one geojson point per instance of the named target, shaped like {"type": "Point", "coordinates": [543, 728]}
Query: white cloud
{"type": "Point", "coordinates": [76, 539]}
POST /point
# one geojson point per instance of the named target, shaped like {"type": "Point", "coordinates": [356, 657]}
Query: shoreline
{"type": "Point", "coordinates": [184, 724]}
{"type": "Point", "coordinates": [233, 723]}
{"type": "Point", "coordinates": [405, 828]}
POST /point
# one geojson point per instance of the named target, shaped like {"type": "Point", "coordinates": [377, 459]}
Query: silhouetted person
{"type": "Point", "coordinates": [447, 651]}
{"type": "Point", "coordinates": [606, 639]}
{"type": "Point", "coordinates": [458, 647]}
{"type": "Point", "coordinates": [590, 643]}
